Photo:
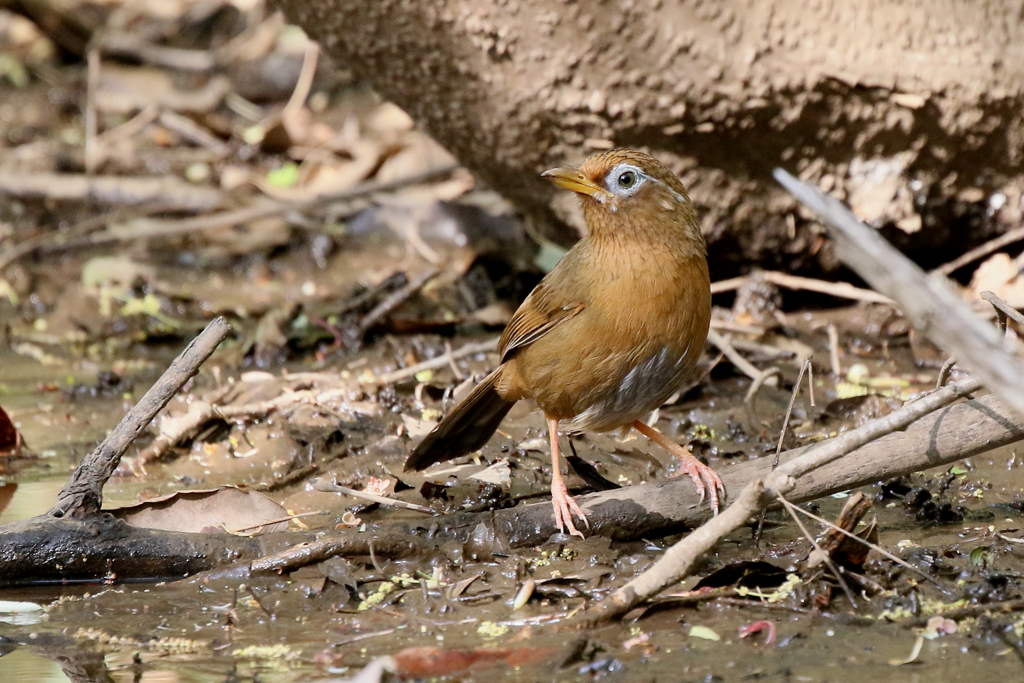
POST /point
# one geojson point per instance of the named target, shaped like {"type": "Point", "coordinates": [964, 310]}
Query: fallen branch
{"type": "Point", "coordinates": [82, 495]}
{"type": "Point", "coordinates": [649, 510]}
{"type": "Point", "coordinates": [927, 301]}
{"type": "Point", "coordinates": [841, 290]}
{"type": "Point", "coordinates": [760, 493]}
{"type": "Point", "coordinates": [172, 193]}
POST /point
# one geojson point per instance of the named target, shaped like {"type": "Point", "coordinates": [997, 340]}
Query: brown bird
{"type": "Point", "coordinates": [610, 333]}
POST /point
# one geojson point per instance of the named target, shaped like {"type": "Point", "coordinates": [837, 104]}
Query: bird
{"type": "Point", "coordinates": [609, 334]}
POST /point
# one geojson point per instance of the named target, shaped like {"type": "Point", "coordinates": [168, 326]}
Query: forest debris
{"type": "Point", "coordinates": [929, 302]}
{"type": "Point", "coordinates": [322, 484]}
{"type": "Point", "coordinates": [171, 192]}
{"type": "Point", "coordinates": [678, 559]}
{"type": "Point", "coordinates": [82, 495]}
{"type": "Point", "coordinates": [205, 511]}
{"type": "Point", "coordinates": [992, 245]}
{"type": "Point", "coordinates": [840, 290]}
{"type": "Point", "coordinates": [1001, 275]}
{"type": "Point", "coordinates": [839, 547]}
{"type": "Point", "coordinates": [10, 437]}
{"type": "Point", "coordinates": [470, 349]}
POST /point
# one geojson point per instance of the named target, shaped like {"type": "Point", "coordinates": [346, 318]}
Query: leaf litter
{"type": "Point", "coordinates": [276, 218]}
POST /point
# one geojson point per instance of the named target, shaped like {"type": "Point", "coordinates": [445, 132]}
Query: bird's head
{"type": "Point", "coordinates": [627, 189]}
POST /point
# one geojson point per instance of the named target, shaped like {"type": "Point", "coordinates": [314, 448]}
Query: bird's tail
{"type": "Point", "coordinates": [465, 429]}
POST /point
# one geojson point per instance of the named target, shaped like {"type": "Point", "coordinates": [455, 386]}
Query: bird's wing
{"type": "Point", "coordinates": [536, 317]}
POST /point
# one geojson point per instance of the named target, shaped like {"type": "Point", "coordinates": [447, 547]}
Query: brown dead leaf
{"type": "Point", "coordinates": [10, 438]}
{"type": "Point", "coordinates": [206, 511]}
{"type": "Point", "coordinates": [998, 274]}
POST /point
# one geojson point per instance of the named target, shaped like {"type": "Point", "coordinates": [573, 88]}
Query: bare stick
{"type": "Point", "coordinates": [678, 559]}
{"type": "Point", "coordinates": [321, 484]}
{"type": "Point", "coordinates": [825, 452]}
{"type": "Point", "coordinates": [1005, 309]}
{"type": "Point", "coordinates": [173, 193]}
{"type": "Point", "coordinates": [305, 81]}
{"type": "Point", "coordinates": [820, 553]}
{"type": "Point", "coordinates": [396, 299]}
{"type": "Point", "coordinates": [441, 361]}
{"type": "Point", "coordinates": [789, 410]}
{"type": "Point", "coordinates": [833, 350]}
{"type": "Point", "coordinates": [82, 495]}
{"type": "Point", "coordinates": [842, 290]}
{"type": "Point", "coordinates": [929, 302]}
{"type": "Point", "coordinates": [944, 372]}
{"type": "Point", "coordinates": [978, 252]}
{"type": "Point", "coordinates": [741, 363]}
{"type": "Point", "coordinates": [92, 60]}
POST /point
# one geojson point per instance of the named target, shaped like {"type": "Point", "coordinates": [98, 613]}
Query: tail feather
{"type": "Point", "coordinates": [466, 429]}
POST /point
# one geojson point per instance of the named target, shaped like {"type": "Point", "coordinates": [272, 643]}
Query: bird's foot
{"type": "Point", "coordinates": [706, 480]}
{"type": "Point", "coordinates": [564, 506]}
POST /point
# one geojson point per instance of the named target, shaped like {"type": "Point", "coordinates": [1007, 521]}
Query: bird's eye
{"type": "Point", "coordinates": [627, 180]}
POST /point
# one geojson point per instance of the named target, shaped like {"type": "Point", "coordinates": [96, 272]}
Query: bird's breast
{"type": "Point", "coordinates": [634, 344]}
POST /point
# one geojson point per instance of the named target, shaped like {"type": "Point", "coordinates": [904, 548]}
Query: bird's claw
{"type": "Point", "coordinates": [705, 479]}
{"type": "Point", "coordinates": [564, 506]}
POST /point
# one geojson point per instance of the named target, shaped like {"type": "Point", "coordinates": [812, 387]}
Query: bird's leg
{"type": "Point", "coordinates": [562, 502]}
{"type": "Point", "coordinates": [704, 478]}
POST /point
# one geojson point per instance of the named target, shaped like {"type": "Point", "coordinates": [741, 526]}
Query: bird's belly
{"type": "Point", "coordinates": [597, 391]}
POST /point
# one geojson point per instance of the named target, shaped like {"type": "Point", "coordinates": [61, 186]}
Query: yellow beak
{"type": "Point", "coordinates": [571, 179]}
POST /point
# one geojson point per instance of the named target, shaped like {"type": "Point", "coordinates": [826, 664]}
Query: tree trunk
{"type": "Point", "coordinates": [909, 111]}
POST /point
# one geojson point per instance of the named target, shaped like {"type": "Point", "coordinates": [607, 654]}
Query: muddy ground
{"type": "Point", "coordinates": [365, 274]}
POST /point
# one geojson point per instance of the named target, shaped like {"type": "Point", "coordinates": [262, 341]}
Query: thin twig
{"type": "Point", "coordinates": [305, 81]}
{"type": "Point", "coordinates": [321, 484]}
{"type": "Point", "coordinates": [789, 411]}
{"type": "Point", "coordinates": [470, 349]}
{"type": "Point", "coordinates": [286, 518]}
{"type": "Point", "coordinates": [396, 299]}
{"type": "Point", "coordinates": [944, 372]}
{"type": "Point", "coordinates": [984, 250]}
{"type": "Point", "coordinates": [823, 555]}
{"type": "Point", "coordinates": [842, 290]}
{"type": "Point", "coordinates": [782, 437]}
{"type": "Point", "coordinates": [833, 350]}
{"type": "Point", "coordinates": [92, 61]}
{"type": "Point", "coordinates": [1004, 310]}
{"type": "Point", "coordinates": [741, 363]}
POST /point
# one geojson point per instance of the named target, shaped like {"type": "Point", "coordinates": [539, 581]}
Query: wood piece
{"type": "Point", "coordinates": [927, 301]}
{"type": "Point", "coordinates": [82, 495]}
{"type": "Point", "coordinates": [175, 194]}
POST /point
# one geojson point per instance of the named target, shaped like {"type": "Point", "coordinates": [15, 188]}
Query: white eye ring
{"type": "Point", "coordinates": [625, 179]}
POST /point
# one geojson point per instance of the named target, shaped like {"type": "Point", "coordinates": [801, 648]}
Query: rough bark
{"type": "Point", "coordinates": [910, 111]}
